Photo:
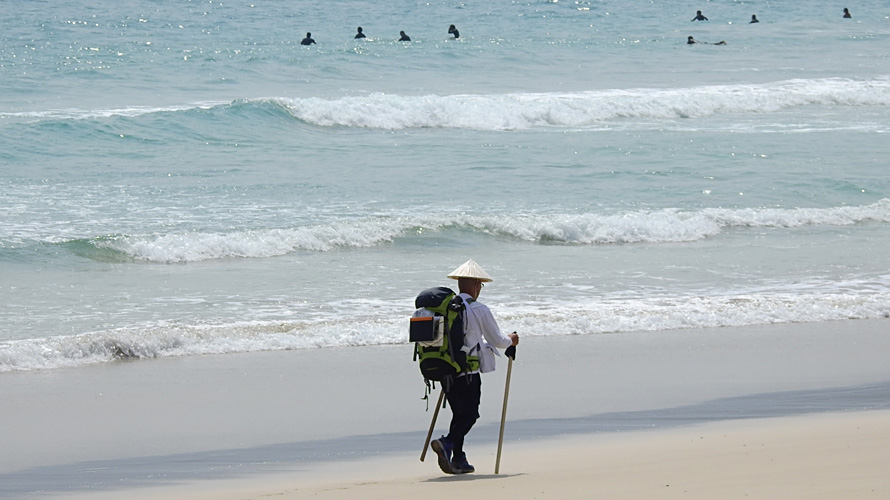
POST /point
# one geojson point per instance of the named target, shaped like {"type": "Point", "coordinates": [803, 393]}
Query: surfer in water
{"type": "Point", "coordinates": [359, 34]}
{"type": "Point", "coordinates": [847, 14]}
{"type": "Point", "coordinates": [308, 40]}
{"type": "Point", "coordinates": [699, 16]}
{"type": "Point", "coordinates": [404, 37]}
{"type": "Point", "coordinates": [693, 41]}
{"type": "Point", "coordinates": [754, 19]}
{"type": "Point", "coordinates": [453, 31]}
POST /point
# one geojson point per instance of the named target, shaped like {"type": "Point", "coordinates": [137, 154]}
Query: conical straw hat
{"type": "Point", "coordinates": [470, 269]}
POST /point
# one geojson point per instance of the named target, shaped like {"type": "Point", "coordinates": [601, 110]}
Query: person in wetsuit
{"type": "Point", "coordinates": [693, 41]}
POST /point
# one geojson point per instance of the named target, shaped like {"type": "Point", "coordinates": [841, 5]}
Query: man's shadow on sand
{"type": "Point", "coordinates": [470, 477]}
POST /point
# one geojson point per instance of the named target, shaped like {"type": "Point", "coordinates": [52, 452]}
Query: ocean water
{"type": "Point", "coordinates": [184, 178]}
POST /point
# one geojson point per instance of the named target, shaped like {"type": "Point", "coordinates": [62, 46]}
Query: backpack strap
{"type": "Point", "coordinates": [478, 347]}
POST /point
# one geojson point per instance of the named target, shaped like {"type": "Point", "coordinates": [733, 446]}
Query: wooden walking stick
{"type": "Point", "coordinates": [510, 353]}
{"type": "Point", "coordinates": [429, 435]}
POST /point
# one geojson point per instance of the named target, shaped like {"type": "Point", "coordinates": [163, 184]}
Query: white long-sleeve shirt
{"type": "Point", "coordinates": [482, 336]}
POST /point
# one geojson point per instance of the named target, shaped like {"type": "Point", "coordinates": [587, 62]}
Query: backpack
{"type": "Point", "coordinates": [437, 330]}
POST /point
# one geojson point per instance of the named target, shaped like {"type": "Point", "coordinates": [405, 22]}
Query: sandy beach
{"type": "Point", "coordinates": [826, 456]}
{"type": "Point", "coordinates": [782, 411]}
{"type": "Point", "coordinates": [212, 238]}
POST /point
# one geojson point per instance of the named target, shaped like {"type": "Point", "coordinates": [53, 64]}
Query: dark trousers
{"type": "Point", "coordinates": [463, 396]}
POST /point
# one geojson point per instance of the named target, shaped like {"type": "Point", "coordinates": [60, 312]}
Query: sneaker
{"type": "Point", "coordinates": [460, 465]}
{"type": "Point", "coordinates": [443, 449]}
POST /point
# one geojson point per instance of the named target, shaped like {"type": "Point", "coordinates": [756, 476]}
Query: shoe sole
{"type": "Point", "coordinates": [444, 464]}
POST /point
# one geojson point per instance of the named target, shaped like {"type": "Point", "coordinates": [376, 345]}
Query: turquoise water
{"type": "Point", "coordinates": [183, 178]}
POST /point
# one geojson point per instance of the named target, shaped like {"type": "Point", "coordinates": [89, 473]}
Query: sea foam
{"type": "Point", "coordinates": [586, 316]}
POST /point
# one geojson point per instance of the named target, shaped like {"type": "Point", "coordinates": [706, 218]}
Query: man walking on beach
{"type": "Point", "coordinates": [481, 337]}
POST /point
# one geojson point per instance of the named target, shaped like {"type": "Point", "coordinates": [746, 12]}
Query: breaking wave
{"type": "Point", "coordinates": [518, 111]}
{"type": "Point", "coordinates": [660, 226]}
{"type": "Point", "coordinates": [581, 109]}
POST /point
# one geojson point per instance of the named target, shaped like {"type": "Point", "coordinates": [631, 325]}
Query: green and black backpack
{"type": "Point", "coordinates": [437, 330]}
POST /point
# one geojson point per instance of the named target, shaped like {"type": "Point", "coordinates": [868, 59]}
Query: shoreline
{"type": "Point", "coordinates": [222, 420]}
